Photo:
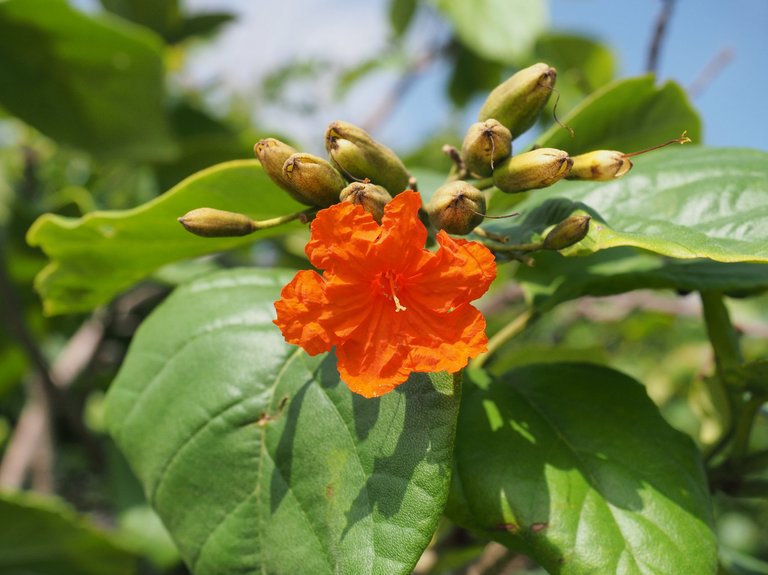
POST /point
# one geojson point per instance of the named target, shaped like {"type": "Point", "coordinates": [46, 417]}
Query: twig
{"type": "Point", "coordinates": [715, 66]}
{"type": "Point", "coordinates": [658, 35]}
{"type": "Point", "coordinates": [512, 329]}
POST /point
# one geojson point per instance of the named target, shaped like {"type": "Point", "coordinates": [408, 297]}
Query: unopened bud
{"type": "Point", "coordinates": [599, 165]}
{"type": "Point", "coordinates": [272, 154]}
{"type": "Point", "coordinates": [456, 207]}
{"type": "Point", "coordinates": [359, 157]}
{"type": "Point", "coordinates": [518, 101]}
{"type": "Point", "coordinates": [313, 178]}
{"type": "Point", "coordinates": [485, 145]}
{"type": "Point", "coordinates": [532, 170]}
{"type": "Point", "coordinates": [211, 223]}
{"type": "Point", "coordinates": [570, 231]}
{"type": "Point", "coordinates": [373, 198]}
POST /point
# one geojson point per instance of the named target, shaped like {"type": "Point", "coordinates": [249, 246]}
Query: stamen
{"type": "Point", "coordinates": [398, 305]}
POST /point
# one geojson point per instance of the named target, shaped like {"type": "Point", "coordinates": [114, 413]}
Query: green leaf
{"type": "Point", "coordinates": [401, 14]}
{"type": "Point", "coordinates": [500, 30]}
{"type": "Point", "coordinates": [686, 202]}
{"type": "Point", "coordinates": [555, 279]}
{"type": "Point", "coordinates": [626, 115]}
{"type": "Point", "coordinates": [95, 257]}
{"type": "Point", "coordinates": [471, 74]}
{"type": "Point", "coordinates": [574, 466]}
{"type": "Point", "coordinates": [45, 537]}
{"type": "Point", "coordinates": [200, 25]}
{"type": "Point", "coordinates": [102, 89]}
{"type": "Point", "coordinates": [256, 456]}
{"type": "Point", "coordinates": [161, 16]}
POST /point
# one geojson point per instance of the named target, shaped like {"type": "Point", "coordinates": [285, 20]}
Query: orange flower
{"type": "Point", "coordinates": [389, 306]}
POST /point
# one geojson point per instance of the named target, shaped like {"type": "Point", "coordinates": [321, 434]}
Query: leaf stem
{"type": "Point", "coordinates": [304, 216]}
{"type": "Point", "coordinates": [509, 331]}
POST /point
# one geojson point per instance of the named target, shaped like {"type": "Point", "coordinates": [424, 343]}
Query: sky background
{"type": "Point", "coordinates": [733, 105]}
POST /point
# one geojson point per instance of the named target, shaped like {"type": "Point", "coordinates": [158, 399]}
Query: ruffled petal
{"type": "Point", "coordinates": [342, 238]}
{"type": "Point", "coordinates": [401, 245]}
{"type": "Point", "coordinates": [460, 272]}
{"type": "Point", "coordinates": [444, 342]}
{"type": "Point", "coordinates": [302, 312]}
{"type": "Point", "coordinates": [376, 361]}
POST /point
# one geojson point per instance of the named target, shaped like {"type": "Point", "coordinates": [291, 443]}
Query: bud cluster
{"type": "Point", "coordinates": [365, 172]}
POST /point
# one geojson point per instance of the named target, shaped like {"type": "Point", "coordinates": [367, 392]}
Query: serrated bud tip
{"type": "Point", "coordinates": [456, 207]}
{"type": "Point", "coordinates": [371, 197]}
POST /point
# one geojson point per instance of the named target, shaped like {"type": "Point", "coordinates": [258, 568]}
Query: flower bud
{"type": "Point", "coordinates": [373, 198]}
{"type": "Point", "coordinates": [599, 165]}
{"type": "Point", "coordinates": [211, 223]}
{"type": "Point", "coordinates": [313, 178]}
{"type": "Point", "coordinates": [485, 145]}
{"type": "Point", "coordinates": [517, 102]}
{"type": "Point", "coordinates": [532, 170]}
{"type": "Point", "coordinates": [359, 157]}
{"type": "Point", "coordinates": [272, 154]}
{"type": "Point", "coordinates": [570, 231]}
{"type": "Point", "coordinates": [456, 207]}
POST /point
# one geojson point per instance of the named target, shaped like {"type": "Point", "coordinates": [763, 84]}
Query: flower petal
{"type": "Point", "coordinates": [342, 238]}
{"type": "Point", "coordinates": [461, 272]}
{"type": "Point", "coordinates": [401, 245]}
{"type": "Point", "coordinates": [302, 312]}
{"type": "Point", "coordinates": [444, 342]}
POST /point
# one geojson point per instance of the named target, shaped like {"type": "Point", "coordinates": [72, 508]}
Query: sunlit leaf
{"type": "Point", "coordinates": [574, 466]}
{"type": "Point", "coordinates": [626, 115]}
{"type": "Point", "coordinates": [685, 202]}
{"type": "Point", "coordinates": [258, 459]}
{"type": "Point", "coordinates": [95, 257]}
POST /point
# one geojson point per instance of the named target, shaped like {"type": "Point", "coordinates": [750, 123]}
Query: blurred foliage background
{"type": "Point", "coordinates": [97, 111]}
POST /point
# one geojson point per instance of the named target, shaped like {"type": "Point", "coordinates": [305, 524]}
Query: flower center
{"type": "Point", "coordinates": [388, 283]}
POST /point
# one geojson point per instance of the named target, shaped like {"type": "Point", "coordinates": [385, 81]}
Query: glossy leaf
{"type": "Point", "coordinates": [44, 537]}
{"type": "Point", "coordinates": [574, 466]}
{"type": "Point", "coordinates": [103, 86]}
{"type": "Point", "coordinates": [499, 30]}
{"type": "Point", "coordinates": [95, 257]}
{"type": "Point", "coordinates": [626, 115]}
{"type": "Point", "coordinates": [555, 279]}
{"type": "Point", "coordinates": [258, 459]}
{"type": "Point", "coordinates": [685, 202]}
{"type": "Point", "coordinates": [471, 74]}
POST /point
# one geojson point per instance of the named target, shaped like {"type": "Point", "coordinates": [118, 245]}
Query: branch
{"type": "Point", "coordinates": [658, 35]}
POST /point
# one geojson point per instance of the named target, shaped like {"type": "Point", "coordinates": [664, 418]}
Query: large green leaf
{"type": "Point", "coordinates": [626, 115]}
{"type": "Point", "coordinates": [97, 256]}
{"type": "Point", "coordinates": [686, 202]}
{"type": "Point", "coordinates": [258, 459]}
{"type": "Point", "coordinates": [500, 30]}
{"type": "Point", "coordinates": [556, 279]}
{"type": "Point", "coordinates": [573, 465]}
{"type": "Point", "coordinates": [89, 81]}
{"type": "Point", "coordinates": [44, 537]}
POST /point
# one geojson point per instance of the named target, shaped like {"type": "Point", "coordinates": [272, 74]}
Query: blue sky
{"type": "Point", "coordinates": [733, 104]}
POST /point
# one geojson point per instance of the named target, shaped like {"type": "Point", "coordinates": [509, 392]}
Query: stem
{"type": "Point", "coordinates": [484, 184]}
{"type": "Point", "coordinates": [509, 331]}
{"type": "Point", "coordinates": [531, 247]}
{"type": "Point", "coordinates": [658, 36]}
{"type": "Point", "coordinates": [755, 462]}
{"type": "Point", "coordinates": [722, 335]}
{"type": "Point", "coordinates": [743, 428]}
{"type": "Point", "coordinates": [303, 215]}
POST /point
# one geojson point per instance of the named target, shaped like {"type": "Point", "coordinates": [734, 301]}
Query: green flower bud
{"type": "Point", "coordinates": [272, 154]}
{"type": "Point", "coordinates": [456, 207]}
{"type": "Point", "coordinates": [570, 231]}
{"type": "Point", "coordinates": [518, 101]}
{"type": "Point", "coordinates": [211, 223]}
{"type": "Point", "coordinates": [532, 170]}
{"type": "Point", "coordinates": [313, 178]}
{"type": "Point", "coordinates": [485, 145]}
{"type": "Point", "coordinates": [359, 157]}
{"type": "Point", "coordinates": [599, 165]}
{"type": "Point", "coordinates": [373, 198]}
